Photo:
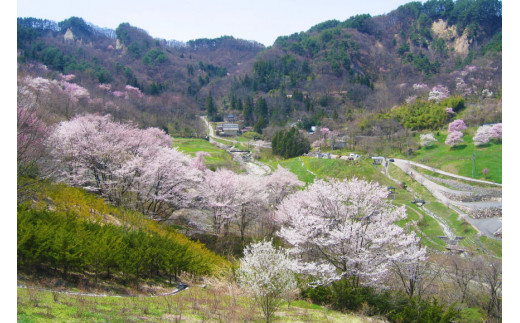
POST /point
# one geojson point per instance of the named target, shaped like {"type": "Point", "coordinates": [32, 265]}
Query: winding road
{"type": "Point", "coordinates": [487, 226]}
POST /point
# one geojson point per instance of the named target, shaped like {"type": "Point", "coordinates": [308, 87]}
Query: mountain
{"type": "Point", "coordinates": [335, 73]}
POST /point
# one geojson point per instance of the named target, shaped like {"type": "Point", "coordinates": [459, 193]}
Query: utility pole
{"type": "Point", "coordinates": [474, 159]}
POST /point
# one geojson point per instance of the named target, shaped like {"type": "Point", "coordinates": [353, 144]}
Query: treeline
{"type": "Point", "coordinates": [290, 143]}
{"type": "Point", "coordinates": [67, 243]}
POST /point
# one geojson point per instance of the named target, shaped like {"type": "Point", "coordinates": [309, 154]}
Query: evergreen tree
{"type": "Point", "coordinates": [248, 111]}
{"type": "Point", "coordinates": [211, 109]}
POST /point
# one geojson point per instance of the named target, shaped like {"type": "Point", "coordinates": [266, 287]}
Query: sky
{"type": "Point", "coordinates": [184, 20]}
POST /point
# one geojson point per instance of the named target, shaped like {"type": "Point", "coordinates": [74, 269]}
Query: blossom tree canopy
{"type": "Point", "coordinates": [280, 184]}
{"type": "Point", "coordinates": [496, 131]}
{"type": "Point", "coordinates": [198, 162]}
{"type": "Point", "coordinates": [345, 229]}
{"type": "Point", "coordinates": [427, 139]}
{"type": "Point", "coordinates": [438, 93]}
{"type": "Point", "coordinates": [457, 125]}
{"type": "Point", "coordinates": [267, 273]}
{"type": "Point", "coordinates": [116, 159]}
{"type": "Point", "coordinates": [454, 138]}
{"type": "Point", "coordinates": [219, 195]}
{"type": "Point", "coordinates": [482, 135]}
{"type": "Point", "coordinates": [325, 132]}
{"type": "Point", "coordinates": [31, 134]}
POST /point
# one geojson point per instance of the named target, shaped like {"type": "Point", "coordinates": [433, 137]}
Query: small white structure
{"type": "Point", "coordinates": [230, 129]}
{"type": "Point", "coordinates": [378, 160]}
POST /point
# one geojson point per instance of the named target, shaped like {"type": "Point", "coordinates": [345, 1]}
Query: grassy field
{"type": "Point", "coordinates": [219, 158]}
{"type": "Point", "coordinates": [214, 304]}
{"type": "Point", "coordinates": [309, 168]}
{"type": "Point", "coordinates": [459, 159]}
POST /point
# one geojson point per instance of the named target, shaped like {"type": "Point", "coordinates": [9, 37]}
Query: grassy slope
{"type": "Point", "coordinates": [308, 168]}
{"type": "Point", "coordinates": [219, 157]}
{"type": "Point", "coordinates": [192, 305]}
{"type": "Point", "coordinates": [458, 159]}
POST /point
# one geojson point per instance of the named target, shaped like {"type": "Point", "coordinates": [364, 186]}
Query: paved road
{"type": "Point", "coordinates": [446, 173]}
{"type": "Point", "coordinates": [252, 167]}
{"type": "Point", "coordinates": [485, 226]}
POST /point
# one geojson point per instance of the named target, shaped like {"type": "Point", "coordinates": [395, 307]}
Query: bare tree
{"type": "Point", "coordinates": [464, 271]}
{"type": "Point", "coordinates": [490, 276]}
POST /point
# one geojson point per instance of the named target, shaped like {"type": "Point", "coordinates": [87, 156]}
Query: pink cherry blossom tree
{"type": "Point", "coordinates": [31, 135]}
{"type": "Point", "coordinates": [123, 163]}
{"type": "Point", "coordinates": [325, 132]}
{"type": "Point", "coordinates": [165, 181]}
{"type": "Point", "coordinates": [457, 125]}
{"type": "Point", "coordinates": [496, 131]}
{"type": "Point", "coordinates": [251, 198]}
{"type": "Point", "coordinates": [279, 184]}
{"type": "Point", "coordinates": [198, 161]}
{"type": "Point", "coordinates": [74, 93]}
{"type": "Point", "coordinates": [454, 138]}
{"type": "Point", "coordinates": [133, 91]}
{"type": "Point", "coordinates": [345, 229]}
{"type": "Point", "coordinates": [482, 135]}
{"type": "Point", "coordinates": [218, 190]}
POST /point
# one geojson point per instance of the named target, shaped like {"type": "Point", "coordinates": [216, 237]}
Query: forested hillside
{"type": "Point", "coordinates": [336, 73]}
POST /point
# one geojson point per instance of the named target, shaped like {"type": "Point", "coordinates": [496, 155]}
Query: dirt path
{"type": "Point", "coordinates": [180, 287]}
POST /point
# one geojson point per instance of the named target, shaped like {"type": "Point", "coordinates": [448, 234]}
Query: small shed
{"type": "Point", "coordinates": [338, 145]}
{"type": "Point", "coordinates": [378, 160]}
{"type": "Point", "coordinates": [230, 129]}
{"type": "Point", "coordinates": [230, 118]}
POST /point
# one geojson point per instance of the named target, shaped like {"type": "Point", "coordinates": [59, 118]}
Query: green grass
{"type": "Point", "coordinates": [495, 246]}
{"type": "Point", "coordinates": [429, 226]}
{"type": "Point", "coordinates": [458, 159]}
{"type": "Point", "coordinates": [219, 158]}
{"type": "Point", "coordinates": [192, 305]}
{"type": "Point", "coordinates": [309, 168]}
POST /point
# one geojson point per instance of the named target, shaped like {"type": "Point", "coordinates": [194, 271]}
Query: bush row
{"type": "Point", "coordinates": [64, 242]}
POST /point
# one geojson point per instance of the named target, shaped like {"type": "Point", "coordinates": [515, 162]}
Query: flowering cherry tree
{"type": "Point", "coordinates": [165, 181]}
{"type": "Point", "coordinates": [496, 131]}
{"type": "Point", "coordinates": [198, 161]}
{"type": "Point", "coordinates": [267, 273]}
{"type": "Point", "coordinates": [31, 134]}
{"type": "Point", "coordinates": [482, 135]}
{"type": "Point", "coordinates": [325, 132]}
{"type": "Point", "coordinates": [133, 91]}
{"type": "Point", "coordinates": [454, 138]}
{"type": "Point", "coordinates": [279, 184]}
{"type": "Point", "coordinates": [427, 139]}
{"type": "Point", "coordinates": [345, 229]}
{"type": "Point", "coordinates": [420, 87]}
{"type": "Point", "coordinates": [121, 162]}
{"type": "Point", "coordinates": [219, 195]}
{"type": "Point", "coordinates": [438, 93]}
{"type": "Point", "coordinates": [251, 201]}
{"type": "Point", "coordinates": [457, 125]}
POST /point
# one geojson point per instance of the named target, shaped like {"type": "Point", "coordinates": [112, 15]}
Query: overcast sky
{"type": "Point", "coordinates": [185, 20]}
